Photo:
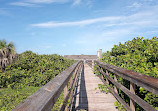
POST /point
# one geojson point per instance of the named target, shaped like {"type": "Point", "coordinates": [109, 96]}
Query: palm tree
{"type": "Point", "coordinates": [7, 54]}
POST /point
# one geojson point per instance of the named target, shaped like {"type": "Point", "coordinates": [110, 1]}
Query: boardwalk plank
{"type": "Point", "coordinates": [88, 98]}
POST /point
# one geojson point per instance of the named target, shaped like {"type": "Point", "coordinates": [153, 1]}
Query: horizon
{"type": "Point", "coordinates": [75, 27]}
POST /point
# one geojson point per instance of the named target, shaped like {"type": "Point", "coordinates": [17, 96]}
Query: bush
{"type": "Point", "coordinates": [139, 55]}
{"type": "Point", "coordinates": [26, 75]}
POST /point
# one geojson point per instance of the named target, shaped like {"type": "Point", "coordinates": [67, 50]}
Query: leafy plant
{"type": "Point", "coordinates": [139, 55]}
{"type": "Point", "coordinates": [26, 75]}
{"type": "Point", "coordinates": [103, 88]}
{"type": "Point", "coordinates": [119, 106]}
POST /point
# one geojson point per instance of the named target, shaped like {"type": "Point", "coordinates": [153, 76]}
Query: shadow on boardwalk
{"type": "Point", "coordinates": [80, 97]}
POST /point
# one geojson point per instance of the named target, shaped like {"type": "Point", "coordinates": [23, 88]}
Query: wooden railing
{"type": "Point", "coordinates": [46, 97]}
{"type": "Point", "coordinates": [148, 83]}
{"type": "Point", "coordinates": [90, 63]}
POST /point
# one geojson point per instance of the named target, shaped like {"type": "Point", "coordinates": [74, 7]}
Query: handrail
{"type": "Point", "coordinates": [89, 62]}
{"type": "Point", "coordinates": [147, 82]}
{"type": "Point", "coordinates": [46, 97]}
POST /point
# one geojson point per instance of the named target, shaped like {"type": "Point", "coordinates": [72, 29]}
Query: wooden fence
{"type": "Point", "coordinates": [148, 83]}
{"type": "Point", "coordinates": [90, 63]}
{"type": "Point", "coordinates": [46, 97]}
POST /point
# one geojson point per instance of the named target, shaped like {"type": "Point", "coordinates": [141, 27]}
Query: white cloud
{"type": "Point", "coordinates": [147, 0]}
{"type": "Point", "coordinates": [35, 3]}
{"type": "Point", "coordinates": [143, 23]}
{"type": "Point", "coordinates": [76, 23]}
{"type": "Point", "coordinates": [137, 20]}
{"type": "Point", "coordinates": [25, 4]}
{"type": "Point", "coordinates": [130, 23]}
{"type": "Point", "coordinates": [140, 19]}
{"type": "Point", "coordinates": [135, 5]}
{"type": "Point", "coordinates": [76, 2]}
{"type": "Point", "coordinates": [120, 28]}
{"type": "Point", "coordinates": [89, 3]}
{"type": "Point", "coordinates": [142, 5]}
{"type": "Point", "coordinates": [47, 1]}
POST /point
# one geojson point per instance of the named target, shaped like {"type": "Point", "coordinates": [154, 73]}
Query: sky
{"type": "Point", "coordinates": [72, 27]}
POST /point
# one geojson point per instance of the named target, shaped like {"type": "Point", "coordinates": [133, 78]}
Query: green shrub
{"type": "Point", "coordinates": [139, 55]}
{"type": "Point", "coordinates": [28, 74]}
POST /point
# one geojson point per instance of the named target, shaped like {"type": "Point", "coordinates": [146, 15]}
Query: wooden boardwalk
{"type": "Point", "coordinates": [89, 99]}
{"type": "Point", "coordinates": [82, 91]}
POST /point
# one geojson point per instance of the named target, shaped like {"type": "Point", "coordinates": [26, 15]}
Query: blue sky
{"type": "Point", "coordinates": [75, 26]}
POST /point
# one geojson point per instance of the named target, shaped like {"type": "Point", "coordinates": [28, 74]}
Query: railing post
{"type": "Point", "coordinates": [107, 81]}
{"type": "Point", "coordinates": [102, 76]}
{"type": "Point", "coordinates": [74, 72]}
{"type": "Point", "coordinates": [65, 91]}
{"type": "Point", "coordinates": [115, 88]}
{"type": "Point", "coordinates": [92, 64]}
{"type": "Point", "coordinates": [71, 79]}
{"type": "Point", "coordinates": [71, 82]}
{"type": "Point", "coordinates": [132, 89]}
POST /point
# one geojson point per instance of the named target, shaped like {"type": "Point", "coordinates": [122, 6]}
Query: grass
{"type": "Point", "coordinates": [9, 98]}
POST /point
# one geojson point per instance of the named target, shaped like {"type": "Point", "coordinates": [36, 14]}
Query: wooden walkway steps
{"type": "Point", "coordinates": [89, 99]}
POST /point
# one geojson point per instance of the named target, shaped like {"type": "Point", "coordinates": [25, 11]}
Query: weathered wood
{"type": "Point", "coordinates": [90, 99]}
{"type": "Point", "coordinates": [73, 93]}
{"type": "Point", "coordinates": [45, 97]}
{"type": "Point", "coordinates": [147, 82]}
{"type": "Point", "coordinates": [71, 80]}
{"type": "Point", "coordinates": [132, 90]}
{"type": "Point", "coordinates": [102, 77]}
{"type": "Point", "coordinates": [120, 99]}
{"type": "Point", "coordinates": [117, 96]}
{"type": "Point", "coordinates": [89, 62]}
{"type": "Point", "coordinates": [64, 105]}
{"type": "Point", "coordinates": [65, 91]}
{"type": "Point", "coordinates": [107, 81]}
{"type": "Point", "coordinates": [115, 88]}
{"type": "Point", "coordinates": [136, 98]}
{"type": "Point", "coordinates": [65, 95]}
